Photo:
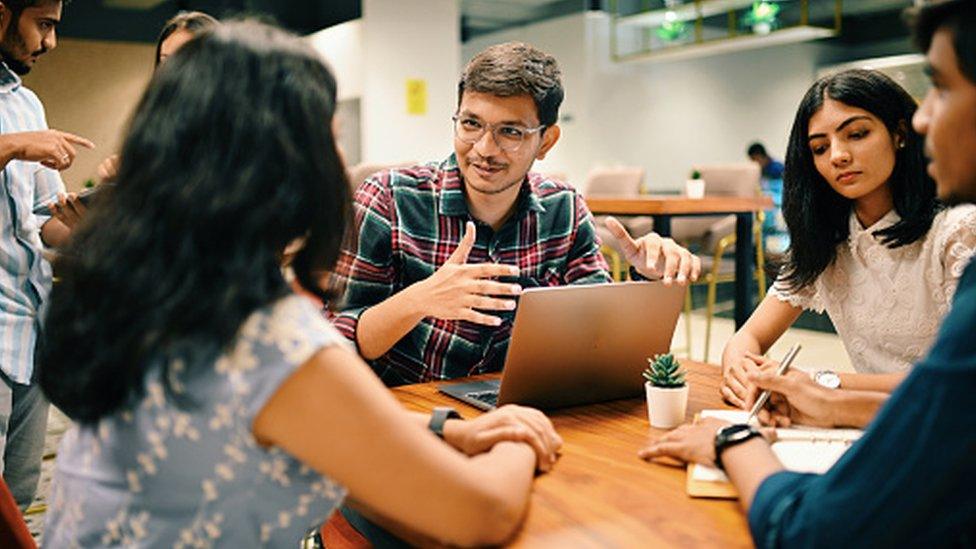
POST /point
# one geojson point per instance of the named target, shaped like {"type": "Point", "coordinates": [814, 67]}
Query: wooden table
{"type": "Point", "coordinates": [600, 494]}
{"type": "Point", "coordinates": [663, 208]}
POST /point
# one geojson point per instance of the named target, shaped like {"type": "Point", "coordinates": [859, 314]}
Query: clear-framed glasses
{"type": "Point", "coordinates": [508, 137]}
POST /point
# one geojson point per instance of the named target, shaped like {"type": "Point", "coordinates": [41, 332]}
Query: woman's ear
{"type": "Point", "coordinates": [901, 135]}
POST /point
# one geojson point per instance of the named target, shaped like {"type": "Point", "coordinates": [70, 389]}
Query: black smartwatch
{"type": "Point", "coordinates": [731, 435]}
{"type": "Point", "coordinates": [440, 416]}
{"type": "Point", "coordinates": [637, 277]}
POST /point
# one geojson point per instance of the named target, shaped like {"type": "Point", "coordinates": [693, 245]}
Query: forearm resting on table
{"type": "Point", "coordinates": [748, 465]}
{"type": "Point", "coordinates": [383, 324]}
{"type": "Point", "coordinates": [507, 468]}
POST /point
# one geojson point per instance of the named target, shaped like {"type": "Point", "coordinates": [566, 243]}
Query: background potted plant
{"type": "Point", "coordinates": [695, 186]}
{"type": "Point", "coordinates": [667, 391]}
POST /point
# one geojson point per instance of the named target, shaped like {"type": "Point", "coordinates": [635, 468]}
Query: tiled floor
{"type": "Point", "coordinates": [820, 350]}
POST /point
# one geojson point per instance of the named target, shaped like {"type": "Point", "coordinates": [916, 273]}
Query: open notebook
{"type": "Point", "coordinates": [802, 449]}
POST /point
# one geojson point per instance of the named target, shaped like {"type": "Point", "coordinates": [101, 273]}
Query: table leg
{"type": "Point", "coordinates": [743, 268]}
{"type": "Point", "coordinates": [662, 225]}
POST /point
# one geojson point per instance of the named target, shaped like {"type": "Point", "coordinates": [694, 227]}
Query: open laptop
{"type": "Point", "coordinates": [575, 345]}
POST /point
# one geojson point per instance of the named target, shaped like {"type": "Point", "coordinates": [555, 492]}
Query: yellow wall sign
{"type": "Point", "coordinates": [416, 96]}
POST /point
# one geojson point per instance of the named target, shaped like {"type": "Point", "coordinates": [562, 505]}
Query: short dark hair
{"type": "Point", "coordinates": [816, 215]}
{"type": "Point", "coordinates": [220, 171]}
{"type": "Point", "coordinates": [18, 6]}
{"type": "Point", "coordinates": [515, 68]}
{"type": "Point", "coordinates": [193, 22]}
{"type": "Point", "coordinates": [756, 148]}
{"type": "Point", "coordinates": [959, 16]}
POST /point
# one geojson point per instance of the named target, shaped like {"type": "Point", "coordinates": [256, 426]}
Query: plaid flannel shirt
{"type": "Point", "coordinates": [411, 220]}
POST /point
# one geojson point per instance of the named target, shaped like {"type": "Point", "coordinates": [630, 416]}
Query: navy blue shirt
{"type": "Point", "coordinates": [911, 479]}
{"type": "Point", "coordinates": [773, 170]}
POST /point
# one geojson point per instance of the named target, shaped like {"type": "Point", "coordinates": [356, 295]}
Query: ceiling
{"type": "Point", "coordinates": [140, 20]}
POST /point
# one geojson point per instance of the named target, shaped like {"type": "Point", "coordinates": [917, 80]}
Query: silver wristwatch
{"type": "Point", "coordinates": [827, 378]}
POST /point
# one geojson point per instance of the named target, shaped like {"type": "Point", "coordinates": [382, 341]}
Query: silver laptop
{"type": "Point", "coordinates": [580, 344]}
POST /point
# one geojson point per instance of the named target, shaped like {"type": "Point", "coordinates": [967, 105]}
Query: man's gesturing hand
{"type": "Point", "coordinates": [459, 291]}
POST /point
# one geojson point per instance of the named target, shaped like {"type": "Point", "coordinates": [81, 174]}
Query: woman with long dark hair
{"type": "Point", "coordinates": [870, 243]}
{"type": "Point", "coordinates": [213, 405]}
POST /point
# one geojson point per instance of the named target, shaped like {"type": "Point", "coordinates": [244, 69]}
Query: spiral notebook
{"type": "Point", "coordinates": [801, 449]}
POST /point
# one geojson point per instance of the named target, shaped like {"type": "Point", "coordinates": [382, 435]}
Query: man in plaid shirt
{"type": "Point", "coordinates": [444, 248]}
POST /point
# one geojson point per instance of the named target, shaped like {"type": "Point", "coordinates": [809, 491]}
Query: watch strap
{"type": "Point", "coordinates": [732, 435]}
{"type": "Point", "coordinates": [637, 277]}
{"type": "Point", "coordinates": [439, 417]}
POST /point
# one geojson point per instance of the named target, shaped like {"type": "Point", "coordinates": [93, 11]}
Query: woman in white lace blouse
{"type": "Point", "coordinates": [870, 244]}
{"type": "Point", "coordinates": [213, 406]}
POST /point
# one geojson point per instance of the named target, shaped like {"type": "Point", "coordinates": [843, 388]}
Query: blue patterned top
{"type": "Point", "coordinates": [163, 475]}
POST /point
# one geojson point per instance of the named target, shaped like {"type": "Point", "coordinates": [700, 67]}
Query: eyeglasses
{"type": "Point", "coordinates": [508, 137]}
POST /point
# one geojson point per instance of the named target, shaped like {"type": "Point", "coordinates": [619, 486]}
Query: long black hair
{"type": "Point", "coordinates": [817, 216]}
{"type": "Point", "coordinates": [229, 157]}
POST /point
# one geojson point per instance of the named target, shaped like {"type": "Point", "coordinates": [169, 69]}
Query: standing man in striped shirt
{"type": "Point", "coordinates": [444, 248]}
{"type": "Point", "coordinates": [30, 157]}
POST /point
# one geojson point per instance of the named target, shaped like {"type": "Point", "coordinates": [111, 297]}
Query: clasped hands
{"type": "Point", "coordinates": [462, 291]}
{"type": "Point", "coordinates": [510, 423]}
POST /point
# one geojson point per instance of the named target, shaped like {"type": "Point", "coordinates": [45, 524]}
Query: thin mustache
{"type": "Point", "coordinates": [489, 163]}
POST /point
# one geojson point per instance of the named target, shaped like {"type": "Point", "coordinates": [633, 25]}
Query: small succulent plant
{"type": "Point", "coordinates": [664, 371]}
{"type": "Point", "coordinates": [695, 174]}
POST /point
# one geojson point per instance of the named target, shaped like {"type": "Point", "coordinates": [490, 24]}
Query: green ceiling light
{"type": "Point", "coordinates": [762, 17]}
{"type": "Point", "coordinates": [695, 28]}
{"type": "Point", "coordinates": [672, 29]}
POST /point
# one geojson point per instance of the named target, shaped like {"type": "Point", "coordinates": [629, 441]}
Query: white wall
{"type": "Point", "coordinates": [342, 48]}
{"type": "Point", "coordinates": [90, 88]}
{"type": "Point", "coordinates": [409, 39]}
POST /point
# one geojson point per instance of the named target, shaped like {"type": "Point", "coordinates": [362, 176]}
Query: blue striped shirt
{"type": "Point", "coordinates": [25, 276]}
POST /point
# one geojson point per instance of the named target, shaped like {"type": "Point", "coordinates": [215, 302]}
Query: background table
{"type": "Point", "coordinates": [600, 494]}
{"type": "Point", "coordinates": [663, 208]}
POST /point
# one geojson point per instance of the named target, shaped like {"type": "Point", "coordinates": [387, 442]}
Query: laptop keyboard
{"type": "Point", "coordinates": [488, 397]}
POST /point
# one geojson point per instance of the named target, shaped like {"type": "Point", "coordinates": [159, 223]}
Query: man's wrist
{"type": "Point", "coordinates": [413, 299]}
{"type": "Point", "coordinates": [8, 150]}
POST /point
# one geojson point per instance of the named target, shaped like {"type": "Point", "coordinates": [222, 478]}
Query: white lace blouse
{"type": "Point", "coordinates": [887, 304]}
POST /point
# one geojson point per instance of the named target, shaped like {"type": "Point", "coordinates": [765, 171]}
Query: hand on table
{"type": "Point", "coordinates": [655, 257]}
{"type": "Point", "coordinates": [689, 443]}
{"type": "Point", "coordinates": [510, 423]}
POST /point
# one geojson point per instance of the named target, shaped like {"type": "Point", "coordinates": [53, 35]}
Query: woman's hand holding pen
{"type": "Point", "coordinates": [795, 398]}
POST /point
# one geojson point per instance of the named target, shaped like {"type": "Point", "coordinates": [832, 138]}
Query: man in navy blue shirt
{"type": "Point", "coordinates": [910, 480]}
{"type": "Point", "coordinates": [771, 169]}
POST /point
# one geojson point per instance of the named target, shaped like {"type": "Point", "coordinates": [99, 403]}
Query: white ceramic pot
{"type": "Point", "coordinates": [666, 407]}
{"type": "Point", "coordinates": [695, 188]}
